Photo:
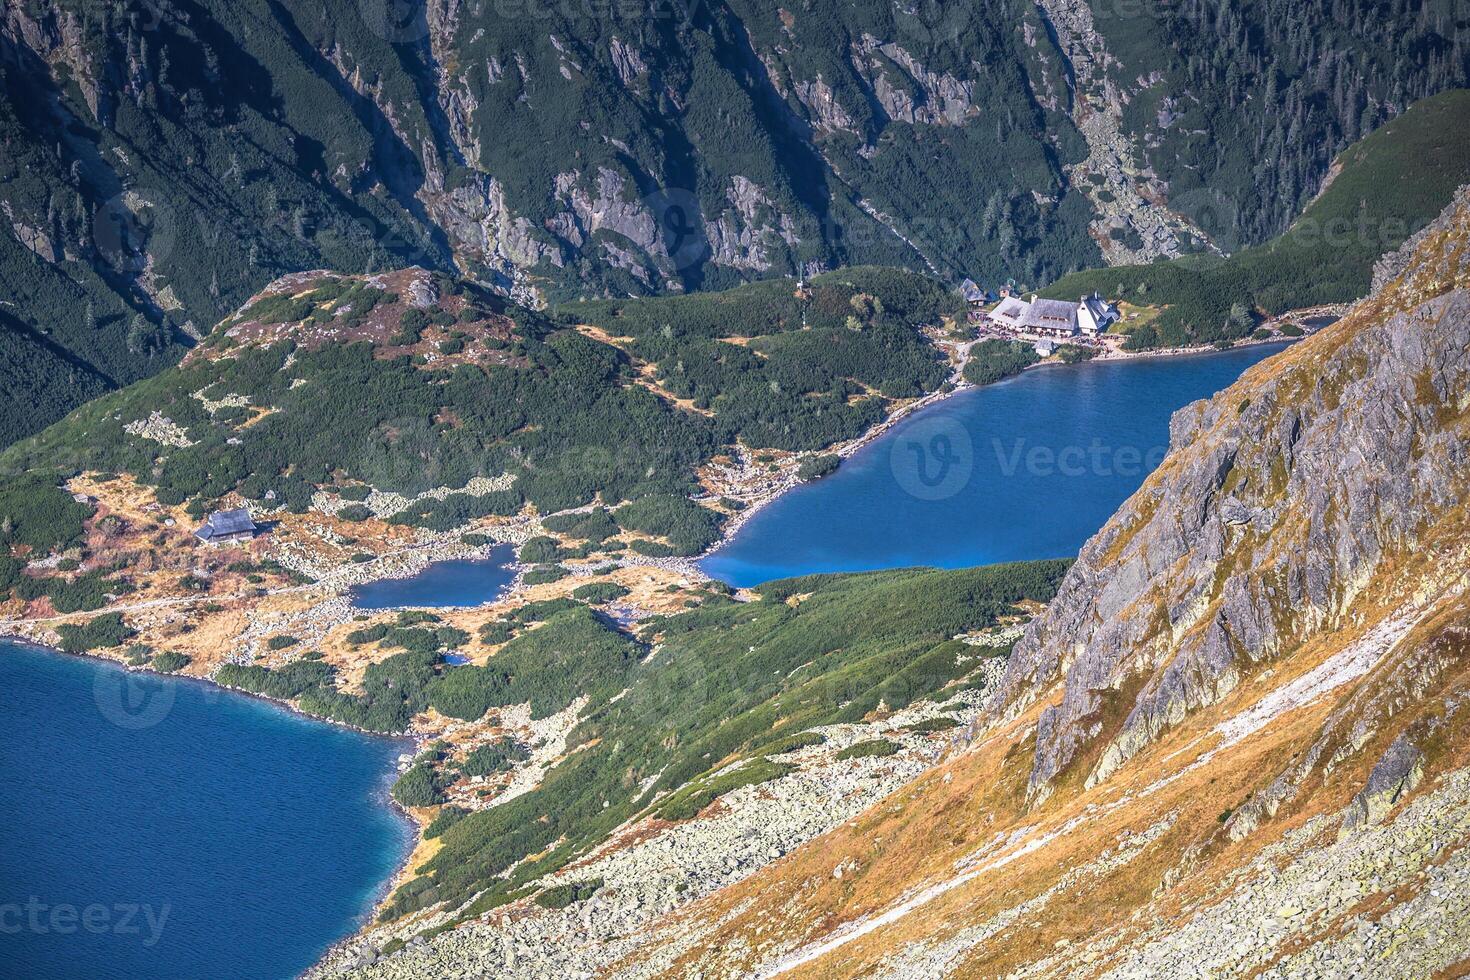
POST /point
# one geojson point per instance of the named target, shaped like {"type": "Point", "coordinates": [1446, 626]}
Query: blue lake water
{"type": "Point", "coordinates": [159, 827]}
{"type": "Point", "coordinates": [1027, 468]}
{"type": "Point", "coordinates": [443, 585]}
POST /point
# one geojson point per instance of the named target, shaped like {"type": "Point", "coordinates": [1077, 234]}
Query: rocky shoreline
{"type": "Point", "coordinates": [788, 481]}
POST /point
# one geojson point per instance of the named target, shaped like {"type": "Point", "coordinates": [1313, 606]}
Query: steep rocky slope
{"type": "Point", "coordinates": [1235, 743]}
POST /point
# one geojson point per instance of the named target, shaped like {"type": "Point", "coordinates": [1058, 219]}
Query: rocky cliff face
{"type": "Point", "coordinates": [1278, 508]}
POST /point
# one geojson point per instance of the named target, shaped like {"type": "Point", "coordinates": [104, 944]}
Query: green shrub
{"type": "Point", "coordinates": [495, 757]}
{"type": "Point", "coordinates": [816, 467]}
{"type": "Point", "coordinates": [688, 802]}
{"type": "Point", "coordinates": [356, 513]}
{"type": "Point", "coordinates": [443, 820]}
{"type": "Point", "coordinates": [599, 593]}
{"type": "Point", "coordinates": [539, 550]}
{"type": "Point", "coordinates": [939, 724]}
{"type": "Point", "coordinates": [688, 527]}
{"type": "Point", "coordinates": [418, 786]}
{"type": "Point", "coordinates": [597, 525]}
{"type": "Point", "coordinates": [35, 511]}
{"type": "Point", "coordinates": [791, 743]}
{"type": "Point", "coordinates": [281, 642]}
{"type": "Point", "coordinates": [562, 896]}
{"type": "Point", "coordinates": [170, 661]}
{"type": "Point", "coordinates": [540, 612]}
{"type": "Point", "coordinates": [371, 634]}
{"type": "Point", "coordinates": [285, 683]}
{"type": "Point", "coordinates": [864, 750]}
{"type": "Point", "coordinates": [496, 632]}
{"type": "Point", "coordinates": [574, 653]}
{"type": "Point", "coordinates": [100, 633]}
{"type": "Point", "coordinates": [545, 575]}
{"type": "Point", "coordinates": [992, 360]}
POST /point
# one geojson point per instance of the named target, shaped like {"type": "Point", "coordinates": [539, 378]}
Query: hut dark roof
{"type": "Point", "coordinates": [227, 522]}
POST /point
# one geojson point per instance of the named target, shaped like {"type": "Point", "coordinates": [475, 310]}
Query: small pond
{"type": "Point", "coordinates": [443, 585]}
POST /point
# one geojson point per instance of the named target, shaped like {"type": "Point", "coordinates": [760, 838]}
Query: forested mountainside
{"type": "Point", "coordinates": [1236, 741]}
{"type": "Point", "coordinates": [1380, 190]}
{"type": "Point", "coordinates": [164, 159]}
{"type": "Point", "coordinates": [413, 383]}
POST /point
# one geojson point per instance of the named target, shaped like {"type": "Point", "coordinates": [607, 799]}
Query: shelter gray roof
{"type": "Point", "coordinates": [224, 522]}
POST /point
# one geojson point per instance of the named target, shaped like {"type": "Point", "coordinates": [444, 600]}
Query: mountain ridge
{"type": "Point", "coordinates": [689, 149]}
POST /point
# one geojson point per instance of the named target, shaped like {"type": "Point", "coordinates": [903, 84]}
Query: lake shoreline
{"type": "Point", "coordinates": [846, 450]}
{"type": "Point", "coordinates": [410, 827]}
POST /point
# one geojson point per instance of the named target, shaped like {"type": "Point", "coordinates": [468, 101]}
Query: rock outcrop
{"type": "Point", "coordinates": [1276, 509]}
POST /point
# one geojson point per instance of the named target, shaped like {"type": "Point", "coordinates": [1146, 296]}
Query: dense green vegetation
{"type": "Point", "coordinates": [566, 419]}
{"type": "Point", "coordinates": [495, 757]}
{"type": "Point", "coordinates": [688, 527]}
{"type": "Point", "coordinates": [103, 631]}
{"type": "Point", "coordinates": [816, 467]}
{"type": "Point", "coordinates": [285, 683]}
{"type": "Point", "coordinates": [170, 661]}
{"type": "Point", "coordinates": [790, 743]}
{"type": "Point", "coordinates": [724, 683]}
{"type": "Point", "coordinates": [992, 360]}
{"type": "Point", "coordinates": [560, 896]}
{"type": "Point", "coordinates": [575, 653]}
{"type": "Point", "coordinates": [805, 367]}
{"type": "Point", "coordinates": [599, 593]}
{"type": "Point", "coordinates": [418, 786]}
{"type": "Point", "coordinates": [693, 798]}
{"type": "Point", "coordinates": [1387, 186]}
{"type": "Point", "coordinates": [36, 513]}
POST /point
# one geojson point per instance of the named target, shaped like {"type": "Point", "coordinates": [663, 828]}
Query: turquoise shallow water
{"type": "Point", "coordinates": [443, 585]}
{"type": "Point", "coordinates": [159, 827]}
{"type": "Point", "coordinates": [1027, 468]}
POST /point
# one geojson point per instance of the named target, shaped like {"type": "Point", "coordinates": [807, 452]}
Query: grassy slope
{"type": "Point", "coordinates": [723, 685]}
{"type": "Point", "coordinates": [1388, 185]}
